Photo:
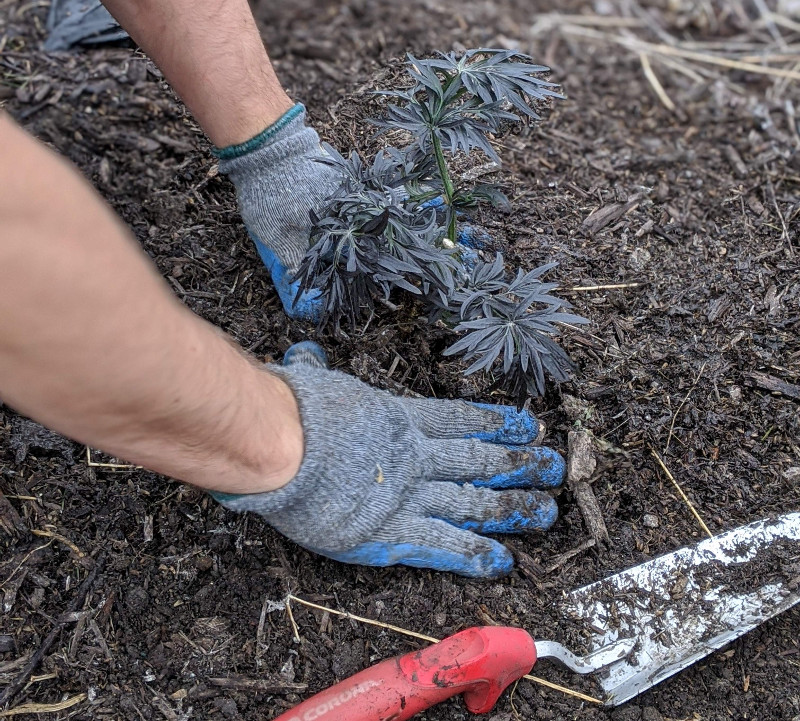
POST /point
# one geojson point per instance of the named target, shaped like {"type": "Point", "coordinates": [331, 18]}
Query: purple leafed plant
{"type": "Point", "coordinates": [392, 223]}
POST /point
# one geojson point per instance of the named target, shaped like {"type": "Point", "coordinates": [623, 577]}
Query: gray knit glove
{"type": "Point", "coordinates": [387, 480]}
{"type": "Point", "coordinates": [278, 181]}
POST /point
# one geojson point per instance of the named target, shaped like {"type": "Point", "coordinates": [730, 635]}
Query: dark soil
{"type": "Point", "coordinates": [186, 586]}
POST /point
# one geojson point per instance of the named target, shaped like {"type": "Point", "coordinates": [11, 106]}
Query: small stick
{"type": "Point", "coordinates": [58, 537]}
{"type": "Point", "coordinates": [22, 678]}
{"type": "Point", "coordinates": [561, 559]}
{"type": "Point", "coordinates": [117, 466]}
{"type": "Point", "coordinates": [735, 160]}
{"type": "Point", "coordinates": [656, 83]}
{"type": "Point", "coordinates": [612, 286]}
{"type": "Point", "coordinates": [295, 630]}
{"type": "Point", "coordinates": [686, 398]}
{"type": "Point", "coordinates": [682, 494]}
{"type": "Point", "coordinates": [36, 708]}
{"type": "Point", "coordinates": [430, 639]}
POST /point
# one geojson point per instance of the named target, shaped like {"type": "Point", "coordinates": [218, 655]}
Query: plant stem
{"type": "Point", "coordinates": [447, 184]}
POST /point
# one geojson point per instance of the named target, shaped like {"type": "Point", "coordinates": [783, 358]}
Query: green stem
{"type": "Point", "coordinates": [447, 184]}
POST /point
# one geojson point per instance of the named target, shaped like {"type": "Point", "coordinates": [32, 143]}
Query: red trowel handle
{"type": "Point", "coordinates": [478, 662]}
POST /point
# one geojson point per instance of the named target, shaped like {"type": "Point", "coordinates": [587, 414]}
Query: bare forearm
{"type": "Point", "coordinates": [213, 56]}
{"type": "Point", "coordinates": [93, 344]}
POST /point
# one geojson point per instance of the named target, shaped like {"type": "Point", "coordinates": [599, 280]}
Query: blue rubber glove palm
{"type": "Point", "coordinates": [388, 480]}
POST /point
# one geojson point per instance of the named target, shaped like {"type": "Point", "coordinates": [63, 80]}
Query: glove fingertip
{"type": "Point", "coordinates": [307, 352]}
{"type": "Point", "coordinates": [303, 306]}
{"type": "Point", "coordinates": [473, 237]}
{"type": "Point", "coordinates": [537, 512]}
{"type": "Point", "coordinates": [516, 427]}
{"type": "Point", "coordinates": [552, 468]}
{"type": "Point", "coordinates": [495, 563]}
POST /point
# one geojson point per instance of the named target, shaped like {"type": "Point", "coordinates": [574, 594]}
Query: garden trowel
{"type": "Point", "coordinates": [682, 606]}
{"type": "Point", "coordinates": [636, 628]}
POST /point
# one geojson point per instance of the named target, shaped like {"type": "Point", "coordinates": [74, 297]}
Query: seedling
{"type": "Point", "coordinates": [393, 223]}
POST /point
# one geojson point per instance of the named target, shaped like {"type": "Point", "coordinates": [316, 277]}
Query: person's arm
{"type": "Point", "coordinates": [94, 345]}
{"type": "Point", "coordinates": [212, 55]}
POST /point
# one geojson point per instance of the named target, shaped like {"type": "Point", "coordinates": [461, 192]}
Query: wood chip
{"type": "Point", "coordinates": [774, 385]}
{"type": "Point", "coordinates": [580, 467]}
{"type": "Point", "coordinates": [735, 160]}
{"type": "Point", "coordinates": [606, 215]}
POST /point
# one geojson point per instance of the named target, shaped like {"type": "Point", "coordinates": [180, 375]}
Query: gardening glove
{"type": "Point", "coordinates": [387, 480]}
{"type": "Point", "coordinates": [278, 181]}
{"type": "Point", "coordinates": [469, 238]}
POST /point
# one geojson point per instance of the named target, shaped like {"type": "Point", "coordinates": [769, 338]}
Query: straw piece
{"type": "Point", "coordinates": [295, 629]}
{"type": "Point", "coordinates": [22, 562]}
{"type": "Point", "coordinates": [361, 619]}
{"type": "Point", "coordinates": [682, 494]}
{"type": "Point", "coordinates": [663, 49]}
{"type": "Point", "coordinates": [563, 689]}
{"type": "Point", "coordinates": [612, 286]}
{"type": "Point", "coordinates": [116, 466]}
{"type": "Point", "coordinates": [666, 101]}
{"type": "Point", "coordinates": [683, 402]}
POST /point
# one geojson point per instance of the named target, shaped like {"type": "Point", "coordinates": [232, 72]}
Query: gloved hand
{"type": "Point", "coordinates": [387, 480]}
{"type": "Point", "coordinates": [278, 181]}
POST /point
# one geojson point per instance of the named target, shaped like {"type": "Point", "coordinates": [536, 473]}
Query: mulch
{"type": "Point", "coordinates": [694, 211]}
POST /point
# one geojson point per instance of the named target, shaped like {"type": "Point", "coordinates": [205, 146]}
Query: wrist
{"type": "Point", "coordinates": [265, 443]}
{"type": "Point", "coordinates": [248, 121]}
{"type": "Point", "coordinates": [233, 427]}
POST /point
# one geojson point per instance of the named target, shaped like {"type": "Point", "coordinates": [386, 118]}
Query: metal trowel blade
{"type": "Point", "coordinates": [686, 604]}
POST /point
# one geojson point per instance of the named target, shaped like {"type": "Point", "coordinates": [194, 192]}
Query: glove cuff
{"type": "Point", "coordinates": [231, 152]}
{"type": "Point", "coordinates": [303, 484]}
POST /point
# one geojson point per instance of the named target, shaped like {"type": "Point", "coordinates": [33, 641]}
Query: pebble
{"type": "Point", "coordinates": [137, 599]}
{"type": "Point", "coordinates": [792, 474]}
{"type": "Point", "coordinates": [639, 259]}
{"type": "Point", "coordinates": [227, 707]}
{"type": "Point", "coordinates": [650, 520]}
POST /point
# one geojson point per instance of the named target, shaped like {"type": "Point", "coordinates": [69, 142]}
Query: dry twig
{"type": "Point", "coordinates": [682, 494]}
{"type": "Point", "coordinates": [678, 410]}
{"type": "Point", "coordinates": [37, 708]}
